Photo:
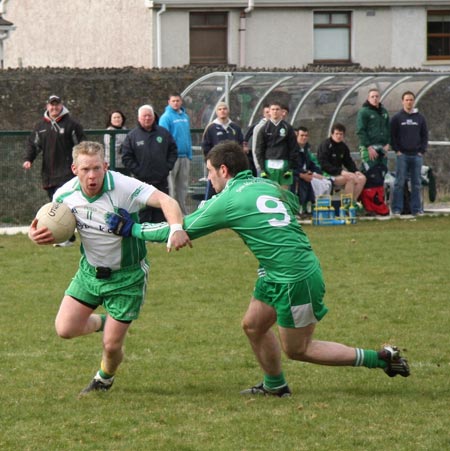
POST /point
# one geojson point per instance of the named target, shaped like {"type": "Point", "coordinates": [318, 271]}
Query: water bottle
{"type": "Point", "coordinates": [352, 214]}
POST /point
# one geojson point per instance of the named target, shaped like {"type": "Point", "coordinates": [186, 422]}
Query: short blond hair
{"type": "Point", "coordinates": [88, 148]}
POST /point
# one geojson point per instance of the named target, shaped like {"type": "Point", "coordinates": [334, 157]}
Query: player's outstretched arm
{"type": "Point", "coordinates": [40, 236]}
{"type": "Point", "coordinates": [122, 224]}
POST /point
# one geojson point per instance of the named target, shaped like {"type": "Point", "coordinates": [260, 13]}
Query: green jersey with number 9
{"type": "Point", "coordinates": [264, 216]}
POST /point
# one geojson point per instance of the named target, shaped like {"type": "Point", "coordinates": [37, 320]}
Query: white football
{"type": "Point", "coordinates": [58, 219]}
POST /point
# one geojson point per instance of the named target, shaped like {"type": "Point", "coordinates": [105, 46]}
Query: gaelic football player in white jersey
{"type": "Point", "coordinates": [113, 270]}
{"type": "Point", "coordinates": [290, 288]}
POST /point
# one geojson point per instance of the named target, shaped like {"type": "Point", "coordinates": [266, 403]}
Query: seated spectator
{"type": "Point", "coordinates": [335, 159]}
{"type": "Point", "coordinates": [308, 179]}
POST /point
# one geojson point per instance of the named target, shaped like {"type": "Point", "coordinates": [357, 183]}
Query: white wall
{"type": "Point", "coordinates": [279, 38]}
{"type": "Point", "coordinates": [409, 32]}
{"type": "Point", "coordinates": [79, 33]}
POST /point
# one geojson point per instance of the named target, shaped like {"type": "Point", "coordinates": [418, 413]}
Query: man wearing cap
{"type": "Point", "coordinates": [54, 135]}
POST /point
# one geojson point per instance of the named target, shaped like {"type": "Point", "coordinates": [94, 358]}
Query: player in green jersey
{"type": "Point", "coordinates": [290, 287]}
{"type": "Point", "coordinates": [113, 271]}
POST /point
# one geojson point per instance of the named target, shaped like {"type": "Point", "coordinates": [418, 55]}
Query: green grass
{"type": "Point", "coordinates": [187, 358]}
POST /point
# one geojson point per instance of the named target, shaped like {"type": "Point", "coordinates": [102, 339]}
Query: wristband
{"type": "Point", "coordinates": [173, 228]}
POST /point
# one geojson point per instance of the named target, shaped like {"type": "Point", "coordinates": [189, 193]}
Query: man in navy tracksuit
{"type": "Point", "coordinates": [409, 140]}
{"type": "Point", "coordinates": [149, 152]}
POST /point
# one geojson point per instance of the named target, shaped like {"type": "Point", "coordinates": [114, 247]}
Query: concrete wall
{"type": "Point", "coordinates": [79, 33]}
{"type": "Point", "coordinates": [105, 33]}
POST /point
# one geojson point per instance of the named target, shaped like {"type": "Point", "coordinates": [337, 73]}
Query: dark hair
{"type": "Point", "coordinates": [174, 94]}
{"type": "Point", "coordinates": [301, 129]}
{"type": "Point", "coordinates": [124, 119]}
{"type": "Point", "coordinates": [230, 154]}
{"type": "Point", "coordinates": [408, 93]}
{"type": "Point", "coordinates": [339, 127]}
{"type": "Point", "coordinates": [275, 102]}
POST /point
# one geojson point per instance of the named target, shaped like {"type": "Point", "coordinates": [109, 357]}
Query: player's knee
{"type": "Point", "coordinates": [63, 331]}
{"type": "Point", "coordinates": [297, 352]}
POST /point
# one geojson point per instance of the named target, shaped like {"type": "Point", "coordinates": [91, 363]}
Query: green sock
{"type": "Point", "coordinates": [369, 359]}
{"type": "Point", "coordinates": [103, 318]}
{"type": "Point", "coordinates": [104, 375]}
{"type": "Point", "coordinates": [274, 383]}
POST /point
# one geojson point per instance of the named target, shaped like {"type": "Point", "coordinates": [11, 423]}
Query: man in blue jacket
{"type": "Point", "coordinates": [149, 152]}
{"type": "Point", "coordinates": [176, 120]}
{"type": "Point", "coordinates": [409, 139]}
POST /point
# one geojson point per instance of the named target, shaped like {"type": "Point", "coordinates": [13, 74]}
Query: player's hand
{"type": "Point", "coordinates": [287, 174]}
{"type": "Point", "coordinates": [178, 238]}
{"type": "Point", "coordinates": [40, 236]}
{"type": "Point", "coordinates": [264, 175]}
{"type": "Point", "coordinates": [120, 224]}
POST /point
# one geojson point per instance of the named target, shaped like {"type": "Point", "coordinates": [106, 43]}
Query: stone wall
{"type": "Point", "coordinates": [91, 93]}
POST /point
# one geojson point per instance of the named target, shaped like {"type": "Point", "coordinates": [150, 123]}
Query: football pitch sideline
{"type": "Point", "coordinates": [186, 357]}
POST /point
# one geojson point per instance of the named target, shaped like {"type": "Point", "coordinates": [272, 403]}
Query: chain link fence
{"type": "Point", "coordinates": [21, 190]}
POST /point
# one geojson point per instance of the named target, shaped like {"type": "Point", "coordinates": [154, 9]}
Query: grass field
{"type": "Point", "coordinates": [187, 358]}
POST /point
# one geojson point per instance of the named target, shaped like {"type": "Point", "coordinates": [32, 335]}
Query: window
{"type": "Point", "coordinates": [332, 37]}
{"type": "Point", "coordinates": [438, 35]}
{"type": "Point", "coordinates": [208, 38]}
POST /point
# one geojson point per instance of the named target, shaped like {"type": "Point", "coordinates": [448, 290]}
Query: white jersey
{"type": "Point", "coordinates": [98, 244]}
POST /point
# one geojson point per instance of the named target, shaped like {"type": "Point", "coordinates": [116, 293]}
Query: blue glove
{"type": "Point", "coordinates": [120, 224]}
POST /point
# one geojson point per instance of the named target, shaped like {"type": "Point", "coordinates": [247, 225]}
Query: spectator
{"type": "Point", "coordinates": [220, 129]}
{"type": "Point", "coordinates": [276, 148]}
{"type": "Point", "coordinates": [373, 130]}
{"type": "Point", "coordinates": [250, 139]}
{"type": "Point", "coordinates": [54, 135]}
{"type": "Point", "coordinates": [409, 141]}
{"type": "Point", "coordinates": [308, 179]}
{"type": "Point", "coordinates": [112, 272]}
{"type": "Point", "coordinates": [149, 152]}
{"type": "Point", "coordinates": [335, 159]}
{"type": "Point", "coordinates": [372, 127]}
{"type": "Point", "coordinates": [176, 120]}
{"type": "Point", "coordinates": [116, 121]}
{"type": "Point", "coordinates": [290, 288]}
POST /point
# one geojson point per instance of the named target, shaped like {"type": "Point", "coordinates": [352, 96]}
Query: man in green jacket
{"type": "Point", "coordinates": [372, 128]}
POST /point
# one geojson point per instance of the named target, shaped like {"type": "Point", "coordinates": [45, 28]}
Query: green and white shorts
{"type": "Point", "coordinates": [276, 169]}
{"type": "Point", "coordinates": [297, 304]}
{"type": "Point", "coordinates": [122, 294]}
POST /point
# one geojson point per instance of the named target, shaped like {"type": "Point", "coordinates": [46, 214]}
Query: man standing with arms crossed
{"type": "Point", "coordinates": [289, 290]}
{"type": "Point", "coordinates": [177, 122]}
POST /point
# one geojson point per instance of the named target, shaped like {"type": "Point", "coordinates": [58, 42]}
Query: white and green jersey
{"type": "Point", "coordinates": [99, 245]}
{"type": "Point", "coordinates": [263, 215]}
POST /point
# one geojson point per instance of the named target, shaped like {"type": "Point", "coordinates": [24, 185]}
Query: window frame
{"type": "Point", "coordinates": [440, 12]}
{"type": "Point", "coordinates": [331, 25]}
{"type": "Point", "coordinates": [205, 61]}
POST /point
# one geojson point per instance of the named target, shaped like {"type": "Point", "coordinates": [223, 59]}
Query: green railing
{"type": "Point", "coordinates": [21, 193]}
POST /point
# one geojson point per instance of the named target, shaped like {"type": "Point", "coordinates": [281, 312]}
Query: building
{"type": "Point", "coordinates": [257, 34]}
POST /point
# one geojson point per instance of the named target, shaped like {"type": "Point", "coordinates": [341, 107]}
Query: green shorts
{"type": "Point", "coordinates": [297, 304]}
{"type": "Point", "coordinates": [122, 294]}
{"type": "Point", "coordinates": [277, 175]}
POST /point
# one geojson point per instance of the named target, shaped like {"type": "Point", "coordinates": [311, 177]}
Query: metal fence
{"type": "Point", "coordinates": [21, 191]}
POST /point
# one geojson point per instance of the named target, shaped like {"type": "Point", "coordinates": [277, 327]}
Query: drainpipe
{"type": "Point", "coordinates": [242, 32]}
{"type": "Point", "coordinates": [158, 35]}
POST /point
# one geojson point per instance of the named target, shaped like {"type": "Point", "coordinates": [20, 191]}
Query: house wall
{"type": "Point", "coordinates": [79, 33]}
{"type": "Point", "coordinates": [105, 33]}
